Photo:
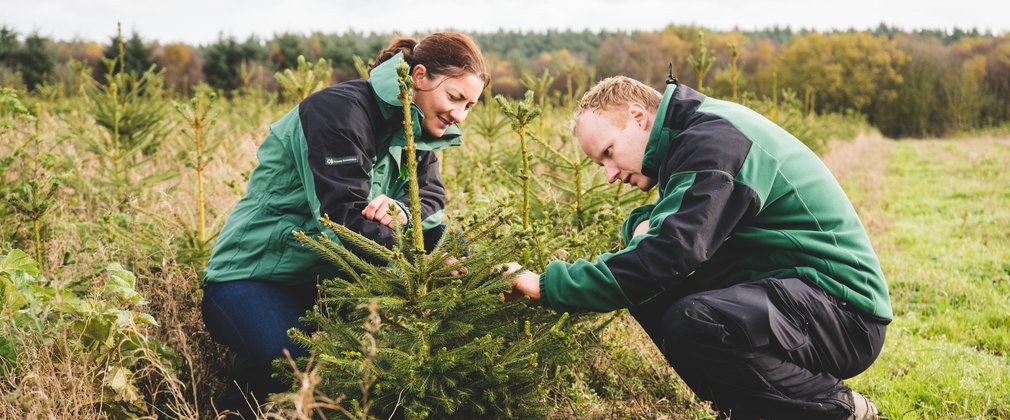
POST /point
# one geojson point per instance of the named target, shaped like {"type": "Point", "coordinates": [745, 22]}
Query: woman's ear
{"type": "Point", "coordinates": [419, 74]}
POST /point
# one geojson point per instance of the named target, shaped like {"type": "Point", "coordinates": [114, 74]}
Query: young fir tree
{"type": "Point", "coordinates": [449, 346]}
{"type": "Point", "coordinates": [304, 79]}
{"type": "Point", "coordinates": [131, 55]}
{"type": "Point", "coordinates": [130, 124]}
{"type": "Point", "coordinates": [199, 115]}
{"type": "Point", "coordinates": [702, 62]}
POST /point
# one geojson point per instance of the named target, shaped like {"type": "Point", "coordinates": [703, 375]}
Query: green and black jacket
{"type": "Point", "coordinates": [740, 199]}
{"type": "Point", "coordinates": [336, 151]}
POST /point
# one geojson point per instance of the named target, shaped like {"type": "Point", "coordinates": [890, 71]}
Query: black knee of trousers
{"type": "Point", "coordinates": [695, 342]}
{"type": "Point", "coordinates": [689, 325]}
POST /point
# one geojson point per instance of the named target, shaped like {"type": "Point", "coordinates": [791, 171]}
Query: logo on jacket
{"type": "Point", "coordinates": [331, 161]}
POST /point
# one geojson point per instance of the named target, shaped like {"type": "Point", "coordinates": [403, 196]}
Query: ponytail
{"type": "Point", "coordinates": [448, 54]}
{"type": "Point", "coordinates": [399, 44]}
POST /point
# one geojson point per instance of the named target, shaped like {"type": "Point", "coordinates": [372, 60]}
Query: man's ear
{"type": "Point", "coordinates": [639, 115]}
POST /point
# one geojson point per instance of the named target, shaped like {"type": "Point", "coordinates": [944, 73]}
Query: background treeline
{"type": "Point", "coordinates": [918, 83]}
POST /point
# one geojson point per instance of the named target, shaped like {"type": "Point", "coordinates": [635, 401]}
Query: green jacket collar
{"type": "Point", "coordinates": [386, 88]}
{"type": "Point", "coordinates": [660, 138]}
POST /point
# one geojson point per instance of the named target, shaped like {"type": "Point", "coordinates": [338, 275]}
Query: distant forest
{"type": "Point", "coordinates": [907, 83]}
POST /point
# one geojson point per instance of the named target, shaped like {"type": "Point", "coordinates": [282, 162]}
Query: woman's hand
{"type": "Point", "coordinates": [525, 283]}
{"type": "Point", "coordinates": [462, 270]}
{"type": "Point", "coordinates": [378, 210]}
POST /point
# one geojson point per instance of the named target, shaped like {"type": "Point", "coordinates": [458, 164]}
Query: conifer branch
{"type": "Point", "coordinates": [327, 254]}
{"type": "Point", "coordinates": [356, 262]}
{"type": "Point", "coordinates": [358, 240]}
{"type": "Point", "coordinates": [456, 243]}
{"type": "Point", "coordinates": [553, 152]}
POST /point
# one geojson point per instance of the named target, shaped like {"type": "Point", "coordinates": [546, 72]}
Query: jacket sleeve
{"type": "Point", "coordinates": [339, 141]}
{"type": "Point", "coordinates": [637, 216]}
{"type": "Point", "coordinates": [430, 189]}
{"type": "Point", "coordinates": [696, 213]}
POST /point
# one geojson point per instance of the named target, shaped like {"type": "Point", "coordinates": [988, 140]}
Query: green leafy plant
{"type": "Point", "coordinates": [99, 322]}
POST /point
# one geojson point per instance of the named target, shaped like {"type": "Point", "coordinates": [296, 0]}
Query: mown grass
{"type": "Point", "coordinates": [945, 248]}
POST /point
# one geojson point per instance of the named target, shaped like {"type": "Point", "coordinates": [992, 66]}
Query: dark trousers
{"type": "Point", "coordinates": [252, 317]}
{"type": "Point", "coordinates": [774, 348]}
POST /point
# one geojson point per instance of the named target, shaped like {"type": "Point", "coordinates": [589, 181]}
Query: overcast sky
{"type": "Point", "coordinates": [200, 21]}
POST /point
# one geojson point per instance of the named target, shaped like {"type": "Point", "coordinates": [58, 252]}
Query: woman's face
{"type": "Point", "coordinates": [443, 100]}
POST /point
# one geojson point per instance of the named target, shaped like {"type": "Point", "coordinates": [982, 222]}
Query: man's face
{"type": "Point", "coordinates": [618, 150]}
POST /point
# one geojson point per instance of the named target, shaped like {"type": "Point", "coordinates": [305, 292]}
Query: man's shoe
{"type": "Point", "coordinates": [863, 408]}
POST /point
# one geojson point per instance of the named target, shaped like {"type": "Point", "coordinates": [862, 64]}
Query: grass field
{"type": "Point", "coordinates": [938, 212]}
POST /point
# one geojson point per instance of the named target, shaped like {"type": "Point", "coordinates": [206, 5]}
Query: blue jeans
{"type": "Point", "coordinates": [252, 317]}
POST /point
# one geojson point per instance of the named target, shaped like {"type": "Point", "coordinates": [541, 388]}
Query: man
{"type": "Point", "coordinates": [751, 272]}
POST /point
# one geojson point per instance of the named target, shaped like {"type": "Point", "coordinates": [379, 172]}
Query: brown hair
{"type": "Point", "coordinates": [448, 54]}
{"type": "Point", "coordinates": [617, 92]}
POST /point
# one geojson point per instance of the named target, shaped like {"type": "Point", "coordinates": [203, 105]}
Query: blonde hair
{"type": "Point", "coordinates": [616, 93]}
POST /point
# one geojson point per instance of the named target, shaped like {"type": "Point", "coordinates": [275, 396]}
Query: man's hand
{"type": "Point", "coordinates": [525, 283]}
{"type": "Point", "coordinates": [641, 228]}
{"type": "Point", "coordinates": [378, 210]}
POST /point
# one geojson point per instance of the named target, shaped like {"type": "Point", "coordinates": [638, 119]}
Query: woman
{"type": "Point", "coordinates": [338, 153]}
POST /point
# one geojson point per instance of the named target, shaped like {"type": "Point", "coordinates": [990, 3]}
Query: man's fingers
{"type": "Point", "coordinates": [386, 219]}
{"type": "Point", "coordinates": [510, 268]}
{"type": "Point", "coordinates": [511, 295]}
{"type": "Point", "coordinates": [525, 283]}
{"type": "Point", "coordinates": [528, 283]}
